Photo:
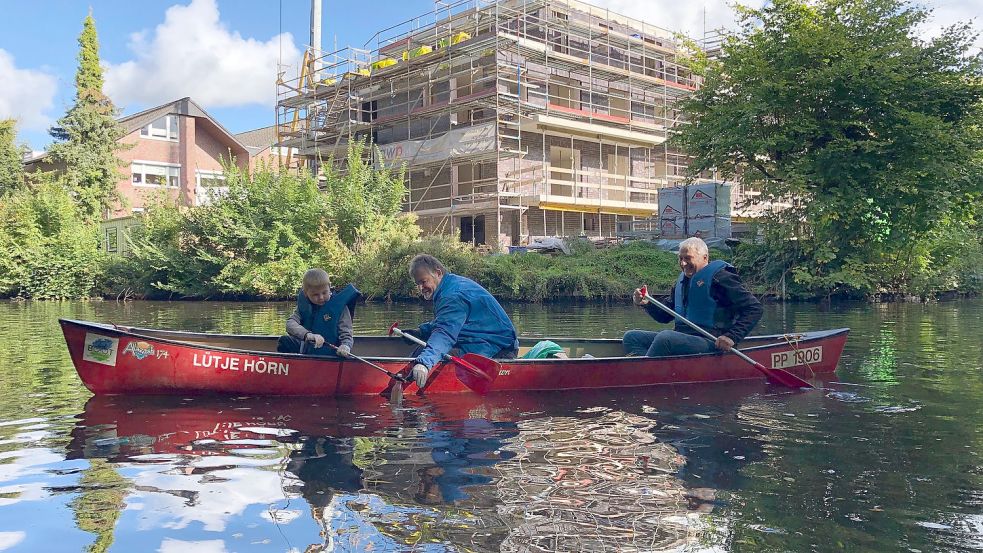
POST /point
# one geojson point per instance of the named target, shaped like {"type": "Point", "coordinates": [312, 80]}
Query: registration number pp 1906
{"type": "Point", "coordinates": [794, 358]}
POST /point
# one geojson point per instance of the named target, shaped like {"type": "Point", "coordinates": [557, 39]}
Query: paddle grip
{"type": "Point", "coordinates": [400, 334]}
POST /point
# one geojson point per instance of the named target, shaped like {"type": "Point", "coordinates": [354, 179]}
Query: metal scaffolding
{"type": "Point", "coordinates": [514, 119]}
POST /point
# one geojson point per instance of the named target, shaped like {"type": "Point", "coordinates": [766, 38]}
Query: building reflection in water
{"type": "Point", "coordinates": [596, 484]}
{"type": "Point", "coordinates": [477, 473]}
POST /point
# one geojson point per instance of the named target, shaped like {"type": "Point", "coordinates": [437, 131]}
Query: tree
{"type": "Point", "coordinates": [838, 108]}
{"type": "Point", "coordinates": [270, 226]}
{"type": "Point", "coordinates": [47, 250]}
{"type": "Point", "coordinates": [365, 196]}
{"type": "Point", "coordinates": [11, 158]}
{"type": "Point", "coordinates": [89, 134]}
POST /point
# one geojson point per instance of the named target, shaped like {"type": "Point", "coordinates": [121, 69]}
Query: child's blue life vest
{"type": "Point", "coordinates": [324, 319]}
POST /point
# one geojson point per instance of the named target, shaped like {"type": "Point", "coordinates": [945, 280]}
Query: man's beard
{"type": "Point", "coordinates": [427, 295]}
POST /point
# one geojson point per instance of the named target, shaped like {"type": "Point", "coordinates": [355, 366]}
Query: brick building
{"type": "Point", "coordinates": [175, 150]}
{"type": "Point", "coordinates": [514, 119]}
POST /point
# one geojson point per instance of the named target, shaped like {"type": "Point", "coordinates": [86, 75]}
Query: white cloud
{"type": "Point", "coordinates": [10, 539]}
{"type": "Point", "coordinates": [691, 18]}
{"type": "Point", "coordinates": [170, 545]}
{"type": "Point", "coordinates": [192, 53]}
{"type": "Point", "coordinates": [26, 94]}
{"type": "Point", "coordinates": [948, 13]}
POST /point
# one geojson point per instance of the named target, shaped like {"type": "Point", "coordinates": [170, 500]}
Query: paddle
{"type": "Point", "coordinates": [395, 392]}
{"type": "Point", "coordinates": [775, 376]}
{"type": "Point", "coordinates": [477, 372]}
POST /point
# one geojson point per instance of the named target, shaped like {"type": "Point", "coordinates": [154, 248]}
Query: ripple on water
{"type": "Point", "coordinates": [847, 397]}
{"type": "Point", "coordinates": [892, 409]}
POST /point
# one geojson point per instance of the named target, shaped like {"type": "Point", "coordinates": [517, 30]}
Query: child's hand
{"type": "Point", "coordinates": [316, 339]}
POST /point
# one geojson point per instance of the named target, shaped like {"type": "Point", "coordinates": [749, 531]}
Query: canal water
{"type": "Point", "coordinates": [887, 460]}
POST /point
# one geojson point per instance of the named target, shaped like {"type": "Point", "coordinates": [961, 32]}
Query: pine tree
{"type": "Point", "coordinates": [89, 134]}
{"type": "Point", "coordinates": [11, 168]}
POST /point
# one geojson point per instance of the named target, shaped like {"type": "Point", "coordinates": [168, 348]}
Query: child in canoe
{"type": "Point", "coordinates": [321, 320]}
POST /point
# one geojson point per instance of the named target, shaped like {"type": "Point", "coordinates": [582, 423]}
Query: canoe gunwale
{"type": "Point", "coordinates": [772, 341]}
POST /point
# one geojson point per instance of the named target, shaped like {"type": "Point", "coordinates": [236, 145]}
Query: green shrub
{"type": "Point", "coordinates": [47, 250]}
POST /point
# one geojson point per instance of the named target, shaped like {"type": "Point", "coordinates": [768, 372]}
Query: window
{"type": "Point", "coordinates": [594, 101]}
{"type": "Point", "coordinates": [164, 128]}
{"type": "Point", "coordinates": [152, 174]}
{"type": "Point", "coordinates": [210, 185]}
{"type": "Point", "coordinates": [112, 240]}
{"type": "Point", "coordinates": [641, 111]}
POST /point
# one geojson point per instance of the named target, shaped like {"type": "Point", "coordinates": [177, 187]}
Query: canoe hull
{"type": "Point", "coordinates": [118, 360]}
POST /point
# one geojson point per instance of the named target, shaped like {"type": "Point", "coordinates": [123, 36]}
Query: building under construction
{"type": "Point", "coordinates": [513, 119]}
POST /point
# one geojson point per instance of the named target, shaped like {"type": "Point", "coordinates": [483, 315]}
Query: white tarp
{"type": "Point", "coordinates": [456, 143]}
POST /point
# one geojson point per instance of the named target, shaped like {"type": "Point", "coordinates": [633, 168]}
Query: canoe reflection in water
{"type": "Point", "coordinates": [517, 473]}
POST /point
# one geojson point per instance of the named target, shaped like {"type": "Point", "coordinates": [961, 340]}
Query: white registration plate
{"type": "Point", "coordinates": [794, 358]}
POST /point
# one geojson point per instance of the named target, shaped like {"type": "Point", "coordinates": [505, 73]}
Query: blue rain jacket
{"type": "Point", "coordinates": [466, 317]}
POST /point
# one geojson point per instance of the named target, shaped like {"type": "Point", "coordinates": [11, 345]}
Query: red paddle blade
{"type": "Point", "coordinates": [783, 377]}
{"type": "Point", "coordinates": [477, 372]}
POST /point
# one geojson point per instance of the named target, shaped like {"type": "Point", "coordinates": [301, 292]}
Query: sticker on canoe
{"type": "Point", "coordinates": [794, 358]}
{"type": "Point", "coordinates": [140, 350]}
{"type": "Point", "coordinates": [100, 349]}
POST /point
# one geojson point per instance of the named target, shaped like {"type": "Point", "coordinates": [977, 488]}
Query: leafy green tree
{"type": "Point", "coordinates": [89, 134]}
{"type": "Point", "coordinates": [864, 135]}
{"type": "Point", "coordinates": [362, 197]}
{"type": "Point", "coordinates": [11, 166]}
{"type": "Point", "coordinates": [271, 226]}
{"type": "Point", "coordinates": [47, 249]}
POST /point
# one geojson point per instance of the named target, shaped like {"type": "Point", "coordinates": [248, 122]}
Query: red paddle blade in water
{"type": "Point", "coordinates": [477, 372]}
{"type": "Point", "coordinates": [783, 377]}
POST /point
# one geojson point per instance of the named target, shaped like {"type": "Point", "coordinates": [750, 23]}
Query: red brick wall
{"type": "Point", "coordinates": [144, 149]}
{"type": "Point", "coordinates": [200, 146]}
{"type": "Point", "coordinates": [267, 156]}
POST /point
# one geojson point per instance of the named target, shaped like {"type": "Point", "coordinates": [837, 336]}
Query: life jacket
{"type": "Point", "coordinates": [324, 319]}
{"type": "Point", "coordinates": [700, 307]}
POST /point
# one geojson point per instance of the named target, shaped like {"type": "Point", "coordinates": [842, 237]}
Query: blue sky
{"type": "Point", "coordinates": [225, 53]}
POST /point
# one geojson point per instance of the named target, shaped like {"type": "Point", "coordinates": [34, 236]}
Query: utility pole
{"type": "Point", "coordinates": [315, 38]}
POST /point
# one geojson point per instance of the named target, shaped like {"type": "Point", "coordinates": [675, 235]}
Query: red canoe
{"type": "Point", "coordinates": [113, 359]}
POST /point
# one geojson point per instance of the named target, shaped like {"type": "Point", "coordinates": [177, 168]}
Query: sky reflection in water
{"type": "Point", "coordinates": [890, 463]}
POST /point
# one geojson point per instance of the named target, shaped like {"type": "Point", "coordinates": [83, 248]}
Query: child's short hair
{"type": "Point", "coordinates": [316, 278]}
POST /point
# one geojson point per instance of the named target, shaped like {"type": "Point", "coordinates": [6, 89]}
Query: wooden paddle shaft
{"type": "Point", "coordinates": [695, 327]}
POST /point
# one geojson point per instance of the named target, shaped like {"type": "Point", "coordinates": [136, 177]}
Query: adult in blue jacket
{"type": "Point", "coordinates": [708, 293]}
{"type": "Point", "coordinates": [466, 317]}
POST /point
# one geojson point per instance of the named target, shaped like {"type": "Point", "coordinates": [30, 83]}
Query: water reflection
{"type": "Point", "coordinates": [600, 484]}
{"type": "Point", "coordinates": [891, 463]}
{"type": "Point", "coordinates": [516, 474]}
